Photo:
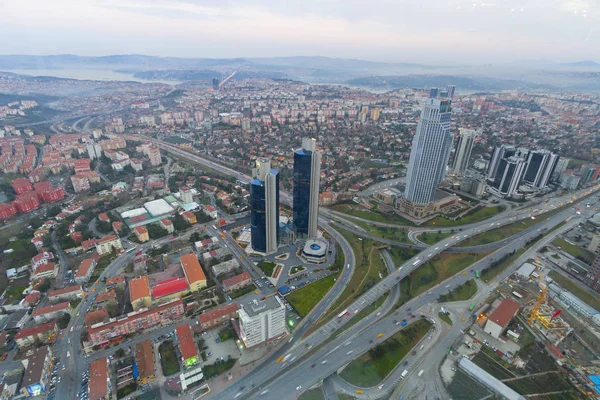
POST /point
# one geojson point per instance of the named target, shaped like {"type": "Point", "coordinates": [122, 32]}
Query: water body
{"type": "Point", "coordinates": [86, 74]}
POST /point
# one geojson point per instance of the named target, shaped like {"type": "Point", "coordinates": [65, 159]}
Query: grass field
{"type": "Point", "coordinates": [303, 300]}
{"type": "Point", "coordinates": [461, 292]}
{"type": "Point", "coordinates": [445, 318]}
{"type": "Point", "coordinates": [583, 254]}
{"type": "Point", "coordinates": [381, 360]}
{"type": "Point", "coordinates": [267, 267]}
{"type": "Point", "coordinates": [478, 215]}
{"type": "Point", "coordinates": [15, 293]}
{"type": "Point", "coordinates": [576, 289]}
{"type": "Point", "coordinates": [492, 271]}
{"type": "Point", "coordinates": [312, 394]}
{"type": "Point", "coordinates": [397, 234]}
{"type": "Point", "coordinates": [368, 271]}
{"type": "Point", "coordinates": [361, 212]}
{"type": "Point", "coordinates": [168, 358]}
{"type": "Point", "coordinates": [432, 238]}
{"type": "Point", "coordinates": [492, 363]}
{"type": "Point", "coordinates": [466, 388]}
{"type": "Point", "coordinates": [242, 291]}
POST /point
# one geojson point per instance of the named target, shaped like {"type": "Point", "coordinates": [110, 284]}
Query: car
{"type": "Point", "coordinates": [4, 357]}
{"type": "Point", "coordinates": [299, 387]}
{"type": "Point", "coordinates": [72, 328]}
{"type": "Point", "coordinates": [324, 362]}
{"type": "Point", "coordinates": [312, 366]}
{"type": "Point", "coordinates": [68, 354]}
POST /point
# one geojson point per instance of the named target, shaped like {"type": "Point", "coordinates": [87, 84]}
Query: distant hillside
{"type": "Point", "coordinates": [584, 64]}
{"type": "Point", "coordinates": [479, 84]}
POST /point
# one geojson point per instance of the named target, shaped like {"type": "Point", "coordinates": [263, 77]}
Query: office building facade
{"type": "Point", "coordinates": [262, 321]}
{"type": "Point", "coordinates": [462, 153]}
{"type": "Point", "coordinates": [307, 174]}
{"type": "Point", "coordinates": [508, 176]}
{"type": "Point", "coordinates": [540, 167]}
{"type": "Point", "coordinates": [430, 152]}
{"type": "Point", "coordinates": [264, 207]}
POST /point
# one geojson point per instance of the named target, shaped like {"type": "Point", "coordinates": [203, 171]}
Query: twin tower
{"type": "Point", "coordinates": [264, 198]}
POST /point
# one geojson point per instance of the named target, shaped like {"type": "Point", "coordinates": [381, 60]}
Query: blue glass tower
{"type": "Point", "coordinates": [307, 171]}
{"type": "Point", "coordinates": [264, 207]}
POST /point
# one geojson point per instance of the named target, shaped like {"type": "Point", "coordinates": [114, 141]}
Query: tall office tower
{"type": "Point", "coordinates": [561, 166]}
{"type": "Point", "coordinates": [540, 166]}
{"type": "Point", "coordinates": [215, 83]}
{"type": "Point", "coordinates": [504, 151]}
{"type": "Point", "coordinates": [508, 175]}
{"type": "Point", "coordinates": [462, 153]}
{"type": "Point", "coordinates": [433, 92]}
{"type": "Point", "coordinates": [587, 171]}
{"type": "Point", "coordinates": [307, 175]}
{"type": "Point", "coordinates": [430, 152]}
{"type": "Point", "coordinates": [264, 207]}
{"type": "Point", "coordinates": [451, 89]}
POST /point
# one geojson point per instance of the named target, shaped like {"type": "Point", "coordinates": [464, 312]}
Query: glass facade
{"type": "Point", "coordinates": [259, 213]}
{"type": "Point", "coordinates": [301, 180]}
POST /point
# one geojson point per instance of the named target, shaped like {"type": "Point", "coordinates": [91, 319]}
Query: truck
{"type": "Point", "coordinates": [472, 306]}
{"type": "Point", "coordinates": [404, 373]}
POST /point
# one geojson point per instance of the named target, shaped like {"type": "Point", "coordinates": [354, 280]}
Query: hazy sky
{"type": "Point", "coordinates": [424, 31]}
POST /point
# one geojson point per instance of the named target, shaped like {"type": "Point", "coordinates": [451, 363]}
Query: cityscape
{"type": "Point", "coordinates": [299, 227]}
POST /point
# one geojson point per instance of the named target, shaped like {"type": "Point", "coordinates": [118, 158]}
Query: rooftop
{"type": "Point", "coordinates": [256, 307]}
{"type": "Point", "coordinates": [505, 312]}
{"type": "Point", "coordinates": [35, 366]}
{"type": "Point", "coordinates": [98, 375]}
{"type": "Point", "coordinates": [139, 288]}
{"type": "Point", "coordinates": [95, 317]}
{"type": "Point", "coordinates": [218, 313]}
{"type": "Point", "coordinates": [107, 238]}
{"type": "Point", "coordinates": [234, 280]}
{"type": "Point", "coordinates": [186, 342]}
{"type": "Point", "coordinates": [168, 287]}
{"type": "Point", "coordinates": [192, 269]}
{"type": "Point", "coordinates": [144, 359]}
{"type": "Point", "coordinates": [50, 309]}
{"type": "Point", "coordinates": [84, 267]}
{"type": "Point", "coordinates": [23, 333]}
{"type": "Point", "coordinates": [68, 289]}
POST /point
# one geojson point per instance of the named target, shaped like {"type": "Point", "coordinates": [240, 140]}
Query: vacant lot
{"type": "Point", "coordinates": [479, 214]}
{"type": "Point", "coordinates": [303, 300]}
{"type": "Point", "coordinates": [433, 237]}
{"type": "Point", "coordinates": [361, 212]}
{"type": "Point", "coordinates": [312, 394]}
{"type": "Point", "coordinates": [582, 254]}
{"type": "Point", "coordinates": [460, 293]}
{"type": "Point", "coordinates": [168, 358]}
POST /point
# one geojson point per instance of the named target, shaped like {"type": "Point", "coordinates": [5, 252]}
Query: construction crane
{"type": "Point", "coordinates": [541, 298]}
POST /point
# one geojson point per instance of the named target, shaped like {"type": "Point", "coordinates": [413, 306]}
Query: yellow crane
{"type": "Point", "coordinates": [541, 298]}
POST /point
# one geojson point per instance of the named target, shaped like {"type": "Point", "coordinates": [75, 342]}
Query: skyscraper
{"type": "Point", "coordinates": [451, 89]}
{"type": "Point", "coordinates": [504, 151]}
{"type": "Point", "coordinates": [540, 166]}
{"type": "Point", "coordinates": [264, 207]}
{"type": "Point", "coordinates": [430, 152]}
{"type": "Point", "coordinates": [508, 175]}
{"type": "Point", "coordinates": [307, 174]}
{"type": "Point", "coordinates": [462, 153]}
{"type": "Point", "coordinates": [433, 92]}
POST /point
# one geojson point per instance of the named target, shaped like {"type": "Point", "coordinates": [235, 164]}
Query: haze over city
{"type": "Point", "coordinates": [437, 32]}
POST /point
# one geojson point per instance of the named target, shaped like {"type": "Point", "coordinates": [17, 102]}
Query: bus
{"type": "Point", "coordinates": [517, 295]}
{"type": "Point", "coordinates": [472, 306]}
{"type": "Point", "coordinates": [340, 315]}
{"type": "Point", "coordinates": [477, 274]}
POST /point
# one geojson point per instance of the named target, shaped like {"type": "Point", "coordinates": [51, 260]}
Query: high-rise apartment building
{"type": "Point", "coordinates": [462, 153]}
{"type": "Point", "coordinates": [430, 152]}
{"type": "Point", "coordinates": [592, 277]}
{"type": "Point", "coordinates": [375, 114]}
{"type": "Point", "coordinates": [540, 166]}
{"type": "Point", "coordinates": [307, 174]}
{"type": "Point", "coordinates": [262, 321]}
{"type": "Point", "coordinates": [154, 154]}
{"type": "Point", "coordinates": [508, 176]}
{"type": "Point", "coordinates": [264, 207]}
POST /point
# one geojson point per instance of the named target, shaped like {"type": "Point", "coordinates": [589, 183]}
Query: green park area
{"type": "Point", "coordinates": [358, 211]}
{"type": "Point", "coordinates": [312, 394]}
{"type": "Point", "coordinates": [445, 317]}
{"type": "Point", "coordinates": [297, 268]}
{"type": "Point", "coordinates": [303, 300]}
{"type": "Point", "coordinates": [476, 215]}
{"type": "Point", "coordinates": [580, 253]}
{"type": "Point", "coordinates": [217, 368]}
{"type": "Point", "coordinates": [267, 267]}
{"type": "Point", "coordinates": [242, 291]}
{"type": "Point", "coordinates": [168, 358]}
{"type": "Point", "coordinates": [461, 292]}
{"type": "Point", "coordinates": [368, 271]}
{"type": "Point", "coordinates": [577, 289]}
{"type": "Point", "coordinates": [431, 238]}
{"type": "Point", "coordinates": [371, 368]}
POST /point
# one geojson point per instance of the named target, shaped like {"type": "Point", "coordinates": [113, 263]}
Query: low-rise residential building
{"type": "Point", "coordinates": [103, 217]}
{"type": "Point", "coordinates": [41, 259]}
{"type": "Point", "coordinates": [262, 321]}
{"type": "Point", "coordinates": [218, 316]}
{"type": "Point", "coordinates": [45, 271]}
{"type": "Point", "coordinates": [187, 347]}
{"type": "Point", "coordinates": [499, 319]}
{"type": "Point", "coordinates": [65, 294]}
{"type": "Point", "coordinates": [95, 317]}
{"type": "Point", "coordinates": [167, 224]}
{"type": "Point", "coordinates": [114, 329]}
{"type": "Point", "coordinates": [144, 359]}
{"type": "Point", "coordinates": [107, 244]}
{"type": "Point", "coordinates": [38, 368]}
{"type": "Point", "coordinates": [139, 293]}
{"type": "Point", "coordinates": [189, 217]}
{"type": "Point", "coordinates": [85, 270]}
{"type": "Point", "coordinates": [116, 282]}
{"type": "Point", "coordinates": [141, 233]}
{"type": "Point", "coordinates": [43, 333]}
{"type": "Point", "coordinates": [193, 272]}
{"type": "Point", "coordinates": [210, 211]}
{"type": "Point", "coordinates": [202, 246]}
{"type": "Point", "coordinates": [106, 297]}
{"type": "Point", "coordinates": [225, 267]}
{"type": "Point", "coordinates": [117, 226]}
{"type": "Point", "coordinates": [237, 282]}
{"type": "Point", "coordinates": [49, 313]}
{"type": "Point", "coordinates": [99, 387]}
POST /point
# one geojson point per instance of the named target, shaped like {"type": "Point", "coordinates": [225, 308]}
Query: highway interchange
{"type": "Point", "coordinates": [318, 356]}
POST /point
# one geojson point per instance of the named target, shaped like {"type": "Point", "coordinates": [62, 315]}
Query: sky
{"type": "Point", "coordinates": [449, 32]}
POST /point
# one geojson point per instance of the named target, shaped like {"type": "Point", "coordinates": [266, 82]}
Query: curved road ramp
{"type": "Point", "coordinates": [488, 380]}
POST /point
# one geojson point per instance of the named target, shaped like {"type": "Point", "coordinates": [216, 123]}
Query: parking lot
{"type": "Point", "coordinates": [218, 350]}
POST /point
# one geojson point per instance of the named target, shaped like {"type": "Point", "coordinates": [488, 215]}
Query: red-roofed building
{"type": "Point", "coordinates": [500, 317]}
{"type": "Point", "coordinates": [187, 347]}
{"type": "Point", "coordinates": [32, 298]}
{"type": "Point", "coordinates": [77, 237]}
{"type": "Point", "coordinates": [26, 202]}
{"type": "Point", "coordinates": [51, 312]}
{"type": "Point", "coordinates": [144, 358]}
{"type": "Point", "coordinates": [64, 294]}
{"type": "Point", "coordinates": [167, 224]}
{"type": "Point", "coordinates": [170, 289]}
{"type": "Point", "coordinates": [95, 317]}
{"type": "Point", "coordinates": [41, 259]}
{"type": "Point", "coordinates": [88, 244]}
{"type": "Point", "coordinates": [85, 270]}
{"type": "Point", "coordinates": [21, 185]}
{"type": "Point", "coordinates": [189, 217]}
{"type": "Point", "coordinates": [106, 297]}
{"type": "Point", "coordinates": [103, 217]}
{"type": "Point", "coordinates": [49, 270]}
{"type": "Point", "coordinates": [44, 333]}
{"type": "Point", "coordinates": [237, 282]}
{"type": "Point", "coordinates": [117, 226]}
{"type": "Point", "coordinates": [7, 210]}
{"type": "Point", "coordinates": [115, 282]}
{"type": "Point", "coordinates": [99, 384]}
{"type": "Point", "coordinates": [217, 316]}
{"type": "Point", "coordinates": [141, 233]}
{"type": "Point", "coordinates": [82, 165]}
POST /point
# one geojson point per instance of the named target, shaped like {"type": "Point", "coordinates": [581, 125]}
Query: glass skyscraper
{"type": "Point", "coordinates": [430, 152]}
{"type": "Point", "coordinates": [307, 174]}
{"type": "Point", "coordinates": [264, 207]}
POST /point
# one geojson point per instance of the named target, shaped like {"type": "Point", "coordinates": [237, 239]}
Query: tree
{"type": "Point", "coordinates": [63, 320]}
{"type": "Point", "coordinates": [156, 231]}
{"type": "Point", "coordinates": [45, 286]}
{"type": "Point", "coordinates": [194, 237]}
{"type": "Point", "coordinates": [53, 210]}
